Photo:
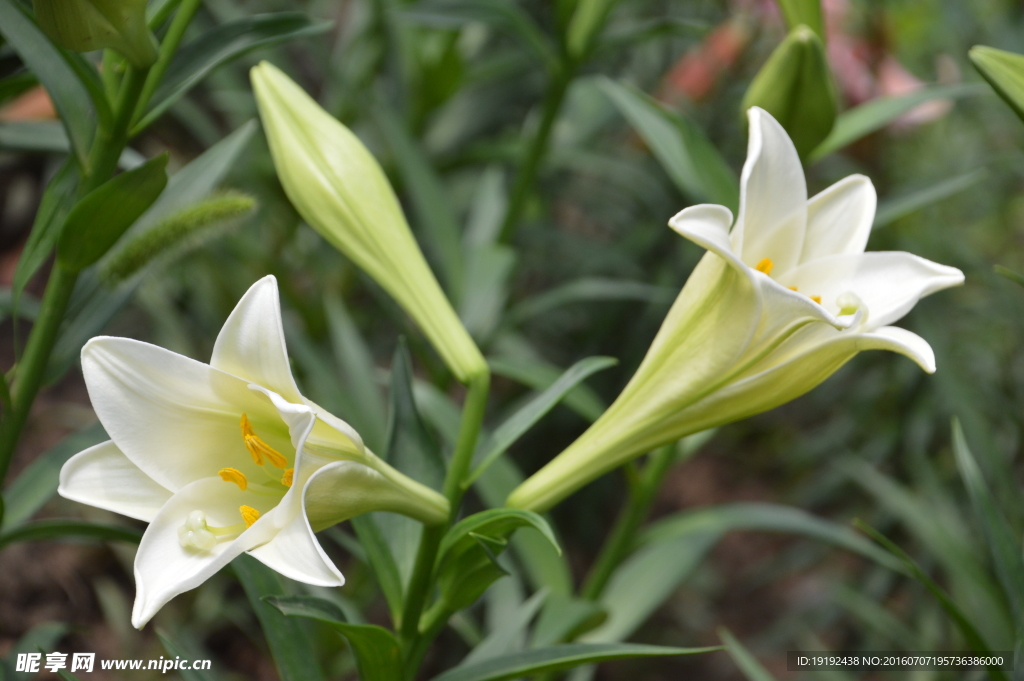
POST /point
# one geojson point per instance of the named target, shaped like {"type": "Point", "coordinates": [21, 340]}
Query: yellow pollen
{"type": "Point", "coordinates": [792, 288]}
{"type": "Point", "coordinates": [816, 299]}
{"type": "Point", "coordinates": [234, 475]}
{"type": "Point", "coordinates": [286, 479]}
{"type": "Point", "coordinates": [765, 266]}
{"type": "Point", "coordinates": [249, 515]}
{"type": "Point", "coordinates": [258, 448]}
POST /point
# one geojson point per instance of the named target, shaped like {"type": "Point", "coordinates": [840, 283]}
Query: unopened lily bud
{"type": "Point", "coordinates": [795, 87]}
{"type": "Point", "coordinates": [338, 187]}
{"type": "Point", "coordinates": [89, 25]}
{"type": "Point", "coordinates": [1004, 71]}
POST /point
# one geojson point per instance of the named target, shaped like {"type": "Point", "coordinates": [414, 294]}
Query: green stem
{"type": "Point", "coordinates": [527, 173]}
{"type": "Point", "coordinates": [32, 366]}
{"type": "Point", "coordinates": [414, 637]}
{"type": "Point", "coordinates": [168, 46]}
{"type": "Point", "coordinates": [103, 157]}
{"type": "Point", "coordinates": [642, 494]}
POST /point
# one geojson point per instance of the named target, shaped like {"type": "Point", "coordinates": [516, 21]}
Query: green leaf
{"type": "Point", "coordinates": [519, 423]}
{"type": "Point", "coordinates": [436, 219]}
{"type": "Point", "coordinates": [1002, 541]}
{"type": "Point", "coordinates": [467, 557]}
{"type": "Point", "coordinates": [688, 157]}
{"type": "Point", "coordinates": [97, 221]}
{"type": "Point", "coordinates": [42, 530]}
{"type": "Point", "coordinates": [748, 664]}
{"type": "Point", "coordinates": [290, 642]}
{"type": "Point", "coordinates": [806, 12]}
{"type": "Point", "coordinates": [510, 630]}
{"type": "Point", "coordinates": [67, 676]}
{"type": "Point", "coordinates": [70, 97]}
{"type": "Point", "coordinates": [376, 650]}
{"type": "Point", "coordinates": [58, 198]}
{"type": "Point", "coordinates": [874, 115]}
{"type": "Point", "coordinates": [413, 451]}
{"type": "Point", "coordinates": [893, 209]}
{"type": "Point", "coordinates": [37, 484]}
{"type": "Point", "coordinates": [587, 22]}
{"type": "Point", "coordinates": [1009, 274]}
{"type": "Point", "coordinates": [1004, 71]}
{"type": "Point", "coordinates": [795, 87]}
{"type": "Point", "coordinates": [565, 618]}
{"type": "Point", "coordinates": [194, 61]}
{"type": "Point", "coordinates": [382, 561]}
{"type": "Point", "coordinates": [485, 288]}
{"type": "Point", "coordinates": [175, 649]}
{"type": "Point", "coordinates": [589, 289]}
{"type": "Point", "coordinates": [539, 375]}
{"type": "Point", "coordinates": [51, 138]}
{"type": "Point", "coordinates": [912, 569]}
{"type": "Point", "coordinates": [558, 658]}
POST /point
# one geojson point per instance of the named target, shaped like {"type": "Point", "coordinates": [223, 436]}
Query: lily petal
{"type": "Point", "coordinates": [251, 343]}
{"type": "Point", "coordinates": [295, 553]}
{"type": "Point", "coordinates": [174, 418]}
{"type": "Point", "coordinates": [707, 225]}
{"type": "Point", "coordinates": [164, 568]}
{"type": "Point", "coordinates": [773, 197]}
{"type": "Point", "coordinates": [888, 282]}
{"type": "Point", "coordinates": [839, 219]}
{"type": "Point", "coordinates": [902, 341]}
{"type": "Point", "coordinates": [104, 477]}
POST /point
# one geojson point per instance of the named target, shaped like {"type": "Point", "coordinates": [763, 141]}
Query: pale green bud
{"type": "Point", "coordinates": [806, 12]}
{"type": "Point", "coordinates": [1004, 71]}
{"type": "Point", "coordinates": [338, 187]}
{"type": "Point", "coordinates": [89, 25]}
{"type": "Point", "coordinates": [795, 87]}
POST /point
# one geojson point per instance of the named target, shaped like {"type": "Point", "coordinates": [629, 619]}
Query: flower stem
{"type": "Point", "coordinates": [414, 639]}
{"type": "Point", "coordinates": [642, 493]}
{"type": "Point", "coordinates": [168, 46]}
{"type": "Point", "coordinates": [557, 87]}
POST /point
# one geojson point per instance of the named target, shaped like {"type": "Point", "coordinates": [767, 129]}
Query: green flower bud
{"type": "Point", "coordinates": [795, 87]}
{"type": "Point", "coordinates": [341, 191]}
{"type": "Point", "coordinates": [1004, 71]}
{"type": "Point", "coordinates": [89, 25]}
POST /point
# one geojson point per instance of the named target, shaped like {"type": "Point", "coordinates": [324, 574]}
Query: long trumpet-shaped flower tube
{"type": "Point", "coordinates": [227, 457]}
{"type": "Point", "coordinates": [773, 308]}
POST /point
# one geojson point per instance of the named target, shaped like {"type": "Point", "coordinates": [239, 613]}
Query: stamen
{"type": "Point", "coordinates": [792, 288]}
{"type": "Point", "coordinates": [816, 299]}
{"type": "Point", "coordinates": [765, 266]}
{"type": "Point", "coordinates": [286, 479]}
{"type": "Point", "coordinates": [234, 475]}
{"type": "Point", "coordinates": [249, 514]}
{"type": "Point", "coordinates": [258, 448]}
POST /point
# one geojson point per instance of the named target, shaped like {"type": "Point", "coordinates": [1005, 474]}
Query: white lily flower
{"type": "Point", "coordinates": [226, 458]}
{"type": "Point", "coordinates": [774, 308]}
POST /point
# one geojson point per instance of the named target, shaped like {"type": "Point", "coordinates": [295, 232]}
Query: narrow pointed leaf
{"type": "Point", "coordinates": [505, 435]}
{"type": "Point", "coordinates": [43, 530]}
{"type": "Point", "coordinates": [558, 658]}
{"type": "Point", "coordinates": [96, 222]}
{"type": "Point", "coordinates": [289, 639]}
{"type": "Point", "coordinates": [877, 113]}
{"type": "Point", "coordinates": [194, 61]}
{"type": "Point", "coordinates": [1002, 541]}
{"type": "Point", "coordinates": [382, 561]}
{"type": "Point", "coordinates": [175, 649]}
{"type": "Point", "coordinates": [589, 289]}
{"type": "Point", "coordinates": [688, 157]}
{"type": "Point", "coordinates": [1009, 274]}
{"type": "Point", "coordinates": [893, 209]}
{"type": "Point", "coordinates": [748, 664]}
{"type": "Point", "coordinates": [502, 640]}
{"type": "Point", "coordinates": [376, 650]}
{"type": "Point", "coordinates": [539, 375]}
{"type": "Point", "coordinates": [58, 198]}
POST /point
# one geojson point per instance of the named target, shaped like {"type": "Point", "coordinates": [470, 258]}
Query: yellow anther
{"type": "Point", "coordinates": [792, 288]}
{"type": "Point", "coordinates": [249, 515]}
{"type": "Point", "coordinates": [234, 475]}
{"type": "Point", "coordinates": [765, 266]}
{"type": "Point", "coordinates": [816, 299]}
{"type": "Point", "coordinates": [258, 448]}
{"type": "Point", "coordinates": [286, 479]}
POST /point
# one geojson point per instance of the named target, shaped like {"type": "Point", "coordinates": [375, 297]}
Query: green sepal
{"type": "Point", "coordinates": [795, 86]}
{"type": "Point", "coordinates": [97, 221]}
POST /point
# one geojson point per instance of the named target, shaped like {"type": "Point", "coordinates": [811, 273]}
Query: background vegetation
{"type": "Point", "coordinates": [543, 210]}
